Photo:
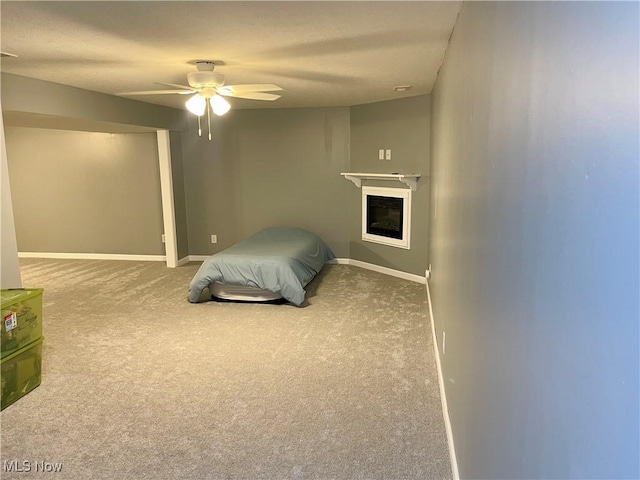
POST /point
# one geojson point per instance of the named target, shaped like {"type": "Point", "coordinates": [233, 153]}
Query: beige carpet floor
{"type": "Point", "coordinates": [140, 384]}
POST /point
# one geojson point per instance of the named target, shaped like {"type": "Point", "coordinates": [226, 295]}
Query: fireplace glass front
{"type": "Point", "coordinates": [384, 216]}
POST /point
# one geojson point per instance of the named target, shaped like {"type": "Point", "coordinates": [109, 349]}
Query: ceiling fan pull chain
{"type": "Point", "coordinates": [199, 128]}
{"type": "Point", "coordinates": [209, 119]}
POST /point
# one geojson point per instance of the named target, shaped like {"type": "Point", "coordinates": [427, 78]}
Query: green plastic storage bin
{"type": "Point", "coordinates": [21, 319]}
{"type": "Point", "coordinates": [20, 373]}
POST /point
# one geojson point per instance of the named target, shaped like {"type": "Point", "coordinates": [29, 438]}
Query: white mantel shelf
{"type": "Point", "coordinates": [410, 179]}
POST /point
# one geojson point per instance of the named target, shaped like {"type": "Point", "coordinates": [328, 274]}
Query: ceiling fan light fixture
{"type": "Point", "coordinates": [219, 105]}
{"type": "Point", "coordinates": [207, 90]}
{"type": "Point", "coordinates": [196, 105]}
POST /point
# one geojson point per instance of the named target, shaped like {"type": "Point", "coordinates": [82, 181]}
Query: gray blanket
{"type": "Point", "coordinates": [279, 259]}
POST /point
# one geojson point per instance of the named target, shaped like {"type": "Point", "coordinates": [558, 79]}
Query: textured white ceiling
{"type": "Point", "coordinates": [321, 53]}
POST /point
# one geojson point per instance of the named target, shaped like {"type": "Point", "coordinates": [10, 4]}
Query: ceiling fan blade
{"type": "Point", "coordinates": [258, 87]}
{"type": "Point", "coordinates": [158, 92]}
{"type": "Point", "coordinates": [254, 95]}
{"type": "Point", "coordinates": [184, 87]}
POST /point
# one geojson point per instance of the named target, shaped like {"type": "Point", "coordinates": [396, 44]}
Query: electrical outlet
{"type": "Point", "coordinates": [427, 274]}
{"type": "Point", "coordinates": [163, 238]}
{"type": "Point", "coordinates": [214, 239]}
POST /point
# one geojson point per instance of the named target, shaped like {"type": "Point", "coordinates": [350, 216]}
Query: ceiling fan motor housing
{"type": "Point", "coordinates": [205, 79]}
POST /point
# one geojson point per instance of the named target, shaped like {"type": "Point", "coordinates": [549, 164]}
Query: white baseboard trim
{"type": "Point", "coordinates": [93, 256]}
{"type": "Point", "coordinates": [443, 395]}
{"type": "Point", "coordinates": [202, 258]}
{"type": "Point", "coordinates": [339, 261]}
{"type": "Point", "coordinates": [198, 258]}
{"type": "Point", "coordinates": [377, 268]}
{"type": "Point", "coordinates": [183, 261]}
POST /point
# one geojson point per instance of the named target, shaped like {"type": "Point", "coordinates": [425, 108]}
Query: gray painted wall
{"type": "Point", "coordinates": [269, 167]}
{"type": "Point", "coordinates": [403, 126]}
{"type": "Point", "coordinates": [80, 192]}
{"type": "Point", "coordinates": [534, 241]}
{"type": "Point", "coordinates": [10, 272]}
{"type": "Point", "coordinates": [264, 167]}
{"type": "Point", "coordinates": [28, 101]}
{"type": "Point", "coordinates": [28, 95]}
{"type": "Point", "coordinates": [208, 176]}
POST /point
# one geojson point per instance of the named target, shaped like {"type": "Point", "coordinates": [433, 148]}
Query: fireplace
{"type": "Point", "coordinates": [386, 216]}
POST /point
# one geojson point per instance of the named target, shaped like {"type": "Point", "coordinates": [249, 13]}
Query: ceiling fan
{"type": "Point", "coordinates": [208, 90]}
